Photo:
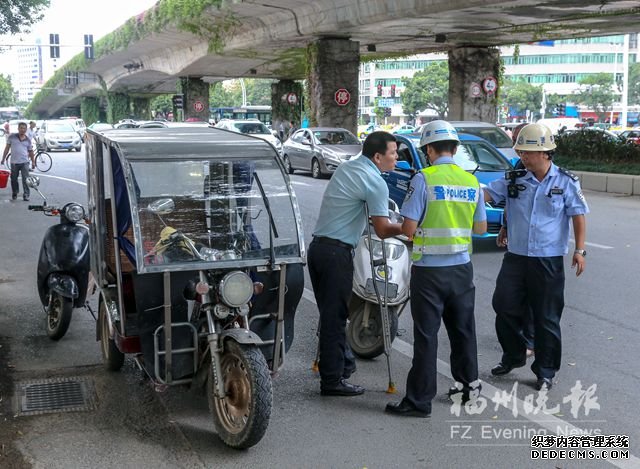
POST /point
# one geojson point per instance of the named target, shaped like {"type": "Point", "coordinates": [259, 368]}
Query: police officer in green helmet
{"type": "Point", "coordinates": [443, 207]}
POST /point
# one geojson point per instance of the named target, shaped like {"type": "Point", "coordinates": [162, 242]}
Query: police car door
{"type": "Point", "coordinates": [406, 167]}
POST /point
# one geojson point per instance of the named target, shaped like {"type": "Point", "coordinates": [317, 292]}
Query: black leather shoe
{"type": "Point", "coordinates": [544, 383]}
{"type": "Point", "coordinates": [404, 408]}
{"type": "Point", "coordinates": [343, 388]}
{"type": "Point", "coordinates": [502, 369]}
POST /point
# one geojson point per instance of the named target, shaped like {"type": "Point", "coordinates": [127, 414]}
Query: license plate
{"type": "Point", "coordinates": [392, 291]}
{"type": "Point", "coordinates": [66, 145]}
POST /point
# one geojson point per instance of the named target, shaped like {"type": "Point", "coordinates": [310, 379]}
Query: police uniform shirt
{"type": "Point", "coordinates": [538, 219]}
{"type": "Point", "coordinates": [415, 208]}
{"type": "Point", "coordinates": [342, 214]}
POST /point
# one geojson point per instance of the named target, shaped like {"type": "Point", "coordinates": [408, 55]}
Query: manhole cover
{"type": "Point", "coordinates": [55, 395]}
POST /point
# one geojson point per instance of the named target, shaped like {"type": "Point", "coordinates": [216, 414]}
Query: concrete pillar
{"type": "Point", "coordinates": [469, 67]}
{"type": "Point", "coordinates": [195, 98]}
{"type": "Point", "coordinates": [118, 107]}
{"type": "Point", "coordinates": [140, 108]}
{"type": "Point", "coordinates": [333, 66]}
{"type": "Point", "coordinates": [90, 109]}
{"type": "Point", "coordinates": [286, 104]}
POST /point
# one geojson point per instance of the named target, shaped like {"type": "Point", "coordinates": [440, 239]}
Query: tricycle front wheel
{"type": "Point", "coordinates": [241, 418]}
{"type": "Point", "coordinates": [112, 358]}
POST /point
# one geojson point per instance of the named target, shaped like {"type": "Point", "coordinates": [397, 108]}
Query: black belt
{"type": "Point", "coordinates": [334, 242]}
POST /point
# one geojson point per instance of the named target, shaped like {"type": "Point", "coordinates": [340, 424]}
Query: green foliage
{"type": "Point", "coordinates": [428, 89]}
{"type": "Point", "coordinates": [141, 107]}
{"type": "Point", "coordinates": [90, 109]}
{"type": "Point", "coordinates": [19, 15]}
{"type": "Point", "coordinates": [552, 102]}
{"type": "Point", "coordinates": [118, 107]}
{"type": "Point", "coordinates": [596, 93]}
{"type": "Point", "coordinates": [281, 109]}
{"type": "Point", "coordinates": [521, 95]}
{"type": "Point", "coordinates": [161, 103]}
{"type": "Point", "coordinates": [591, 150]}
{"type": "Point", "coordinates": [7, 95]}
{"type": "Point", "coordinates": [634, 83]}
{"type": "Point", "coordinates": [379, 111]}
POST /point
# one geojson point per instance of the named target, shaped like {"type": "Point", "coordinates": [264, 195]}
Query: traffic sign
{"type": "Point", "coordinates": [342, 97]}
{"type": "Point", "coordinates": [386, 102]}
{"type": "Point", "coordinates": [490, 85]}
{"type": "Point", "coordinates": [198, 106]}
{"type": "Point", "coordinates": [292, 98]}
{"type": "Point", "coordinates": [475, 90]}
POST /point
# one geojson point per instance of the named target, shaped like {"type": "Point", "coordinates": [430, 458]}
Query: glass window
{"type": "Point", "coordinates": [487, 158]}
{"type": "Point", "coordinates": [212, 211]}
{"type": "Point", "coordinates": [335, 137]}
{"type": "Point", "coordinates": [495, 136]}
{"type": "Point", "coordinates": [251, 127]}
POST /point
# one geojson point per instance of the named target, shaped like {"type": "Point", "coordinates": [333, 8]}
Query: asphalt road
{"type": "Point", "coordinates": [133, 426]}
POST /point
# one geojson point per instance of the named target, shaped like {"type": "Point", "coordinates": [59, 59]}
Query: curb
{"type": "Point", "coordinates": [607, 182]}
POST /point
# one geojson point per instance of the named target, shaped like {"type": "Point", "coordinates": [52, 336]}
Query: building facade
{"type": "Point", "coordinates": [35, 67]}
{"type": "Point", "coordinates": [556, 66]}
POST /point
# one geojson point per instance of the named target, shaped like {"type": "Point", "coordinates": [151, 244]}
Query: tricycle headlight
{"type": "Point", "coordinates": [74, 213]}
{"type": "Point", "coordinates": [236, 289]}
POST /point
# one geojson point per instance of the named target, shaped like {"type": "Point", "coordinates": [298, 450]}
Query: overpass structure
{"type": "Point", "coordinates": [186, 44]}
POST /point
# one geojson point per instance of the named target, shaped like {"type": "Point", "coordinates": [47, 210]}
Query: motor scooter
{"type": "Point", "coordinates": [63, 263]}
{"type": "Point", "coordinates": [365, 327]}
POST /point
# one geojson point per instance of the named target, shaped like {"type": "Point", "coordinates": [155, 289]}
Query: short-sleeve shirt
{"type": "Point", "coordinates": [538, 219]}
{"type": "Point", "coordinates": [342, 213]}
{"type": "Point", "coordinates": [415, 207]}
{"type": "Point", "coordinates": [19, 148]}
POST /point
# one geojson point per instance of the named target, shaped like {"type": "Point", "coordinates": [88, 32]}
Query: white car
{"type": "Point", "coordinates": [58, 135]}
{"type": "Point", "coordinates": [251, 127]}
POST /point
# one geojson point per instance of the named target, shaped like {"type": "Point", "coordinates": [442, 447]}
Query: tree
{"type": "Point", "coordinates": [521, 95]}
{"type": "Point", "coordinates": [428, 89]}
{"type": "Point", "coordinates": [221, 96]}
{"type": "Point", "coordinates": [7, 95]}
{"type": "Point", "coordinates": [596, 92]}
{"type": "Point", "coordinates": [634, 83]}
{"type": "Point", "coordinates": [18, 15]}
{"type": "Point", "coordinates": [258, 92]}
{"type": "Point", "coordinates": [162, 103]}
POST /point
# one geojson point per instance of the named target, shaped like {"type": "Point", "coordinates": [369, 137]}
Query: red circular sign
{"type": "Point", "coordinates": [342, 97]}
{"type": "Point", "coordinates": [490, 85]}
{"type": "Point", "coordinates": [198, 106]}
{"type": "Point", "coordinates": [292, 98]}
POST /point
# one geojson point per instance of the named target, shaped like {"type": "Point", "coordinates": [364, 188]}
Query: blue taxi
{"type": "Point", "coordinates": [474, 154]}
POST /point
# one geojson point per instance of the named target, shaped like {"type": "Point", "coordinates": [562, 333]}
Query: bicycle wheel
{"type": "Point", "coordinates": [43, 162]}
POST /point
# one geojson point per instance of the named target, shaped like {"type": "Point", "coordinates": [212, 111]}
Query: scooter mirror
{"type": "Point", "coordinates": [33, 182]}
{"type": "Point", "coordinates": [162, 206]}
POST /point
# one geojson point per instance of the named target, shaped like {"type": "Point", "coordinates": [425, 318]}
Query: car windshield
{"type": "Point", "coordinates": [335, 137]}
{"type": "Point", "coordinates": [470, 154]}
{"type": "Point", "coordinates": [60, 127]}
{"type": "Point", "coordinates": [218, 207]}
{"type": "Point", "coordinates": [101, 127]}
{"type": "Point", "coordinates": [251, 128]}
{"type": "Point", "coordinates": [493, 135]}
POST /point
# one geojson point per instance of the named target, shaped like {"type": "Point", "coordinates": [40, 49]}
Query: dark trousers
{"type": "Point", "coordinates": [444, 294]}
{"type": "Point", "coordinates": [15, 170]}
{"type": "Point", "coordinates": [536, 285]}
{"type": "Point", "coordinates": [331, 272]}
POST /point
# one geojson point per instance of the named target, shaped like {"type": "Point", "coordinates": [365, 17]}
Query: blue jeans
{"type": "Point", "coordinates": [15, 170]}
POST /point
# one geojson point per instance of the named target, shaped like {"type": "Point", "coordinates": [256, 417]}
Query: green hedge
{"type": "Point", "coordinates": [591, 150]}
{"type": "Point", "coordinates": [90, 109]}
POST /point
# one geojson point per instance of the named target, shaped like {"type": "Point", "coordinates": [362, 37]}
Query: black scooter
{"type": "Point", "coordinates": [63, 265]}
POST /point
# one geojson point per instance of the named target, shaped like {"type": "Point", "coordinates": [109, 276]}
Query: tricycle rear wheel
{"type": "Point", "coordinates": [241, 418]}
{"type": "Point", "coordinates": [112, 358]}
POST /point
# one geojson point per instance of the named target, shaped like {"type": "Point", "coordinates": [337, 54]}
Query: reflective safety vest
{"type": "Point", "coordinates": [452, 197]}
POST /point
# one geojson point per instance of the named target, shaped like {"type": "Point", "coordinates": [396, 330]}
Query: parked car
{"type": "Point", "coordinates": [404, 129]}
{"type": "Point", "coordinates": [364, 130]}
{"type": "Point", "coordinates": [251, 127]}
{"type": "Point", "coordinates": [474, 154]}
{"type": "Point", "coordinates": [489, 132]}
{"type": "Point", "coordinates": [58, 135]}
{"type": "Point", "coordinates": [100, 126]}
{"type": "Point", "coordinates": [78, 124]}
{"type": "Point", "coordinates": [606, 134]}
{"type": "Point", "coordinates": [319, 150]}
{"type": "Point", "coordinates": [630, 136]}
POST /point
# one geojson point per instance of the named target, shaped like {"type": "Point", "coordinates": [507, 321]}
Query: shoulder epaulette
{"type": "Point", "coordinates": [566, 172]}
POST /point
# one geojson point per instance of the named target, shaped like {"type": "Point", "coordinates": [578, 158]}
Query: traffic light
{"type": "Point", "coordinates": [379, 89]}
{"type": "Point", "coordinates": [88, 46]}
{"type": "Point", "coordinates": [177, 101]}
{"type": "Point", "coordinates": [54, 46]}
{"type": "Point", "coordinates": [393, 91]}
{"type": "Point", "coordinates": [562, 109]}
{"type": "Point", "coordinates": [387, 112]}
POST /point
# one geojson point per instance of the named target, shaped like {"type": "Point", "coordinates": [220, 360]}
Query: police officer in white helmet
{"type": "Point", "coordinates": [541, 202]}
{"type": "Point", "coordinates": [443, 207]}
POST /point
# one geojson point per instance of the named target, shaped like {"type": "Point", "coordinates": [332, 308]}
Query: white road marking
{"type": "Point", "coordinates": [595, 245]}
{"type": "Point", "coordinates": [61, 178]}
{"type": "Point", "coordinates": [550, 422]}
{"type": "Point", "coordinates": [298, 183]}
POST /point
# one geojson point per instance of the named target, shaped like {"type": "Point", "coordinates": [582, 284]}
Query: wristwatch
{"type": "Point", "coordinates": [582, 252]}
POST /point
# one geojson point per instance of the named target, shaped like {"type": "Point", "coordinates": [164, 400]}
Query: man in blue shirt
{"type": "Point", "coordinates": [540, 204]}
{"type": "Point", "coordinates": [21, 152]}
{"type": "Point", "coordinates": [443, 206]}
{"type": "Point", "coordinates": [340, 225]}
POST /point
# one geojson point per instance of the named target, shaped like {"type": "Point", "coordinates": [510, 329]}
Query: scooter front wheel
{"type": "Point", "coordinates": [241, 418]}
{"type": "Point", "coordinates": [58, 316]}
{"type": "Point", "coordinates": [366, 340]}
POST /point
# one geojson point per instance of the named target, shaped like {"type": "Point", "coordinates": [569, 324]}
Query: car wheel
{"type": "Point", "coordinates": [79, 148]}
{"type": "Point", "coordinates": [287, 164]}
{"type": "Point", "coordinates": [315, 169]}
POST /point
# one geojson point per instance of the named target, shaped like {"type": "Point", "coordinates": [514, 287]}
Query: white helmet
{"type": "Point", "coordinates": [436, 131]}
{"type": "Point", "coordinates": [535, 137]}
